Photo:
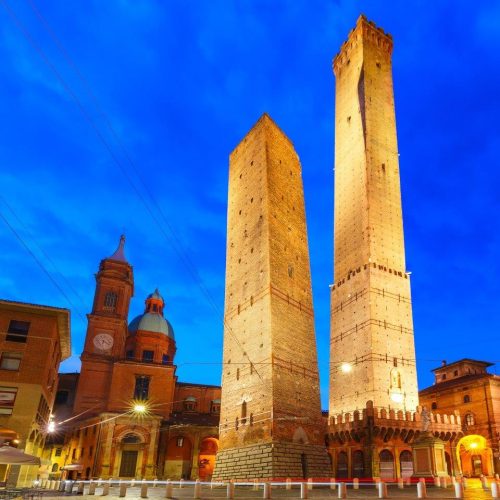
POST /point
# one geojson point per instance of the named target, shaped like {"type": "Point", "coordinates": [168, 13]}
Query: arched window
{"type": "Point", "coordinates": [386, 464]}
{"type": "Point", "coordinates": [434, 406]}
{"type": "Point", "coordinates": [466, 398]}
{"type": "Point", "coordinates": [55, 468]}
{"type": "Point", "coordinates": [110, 300]}
{"type": "Point", "coordinates": [406, 463]}
{"type": "Point", "coordinates": [358, 464]}
{"type": "Point", "coordinates": [190, 403]}
{"type": "Point", "coordinates": [244, 412]}
{"type": "Point", "coordinates": [342, 465]}
{"type": "Point", "coordinates": [215, 406]}
{"type": "Point", "coordinates": [469, 419]}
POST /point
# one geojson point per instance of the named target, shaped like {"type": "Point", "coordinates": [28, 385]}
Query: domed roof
{"type": "Point", "coordinates": [151, 322]}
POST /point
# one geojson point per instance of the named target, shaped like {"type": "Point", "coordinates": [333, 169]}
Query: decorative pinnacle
{"type": "Point", "coordinates": [119, 253]}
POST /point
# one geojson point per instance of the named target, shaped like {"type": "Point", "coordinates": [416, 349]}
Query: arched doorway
{"type": "Point", "coordinates": [342, 465]}
{"type": "Point", "coordinates": [406, 464]}
{"type": "Point", "coordinates": [179, 457]}
{"type": "Point", "coordinates": [358, 464]}
{"type": "Point", "coordinates": [206, 457]}
{"type": "Point", "coordinates": [386, 465]}
{"type": "Point", "coordinates": [474, 455]}
{"type": "Point", "coordinates": [130, 446]}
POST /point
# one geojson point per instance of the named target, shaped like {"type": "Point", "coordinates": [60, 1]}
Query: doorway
{"type": "Point", "coordinates": [477, 465]}
{"type": "Point", "coordinates": [128, 464]}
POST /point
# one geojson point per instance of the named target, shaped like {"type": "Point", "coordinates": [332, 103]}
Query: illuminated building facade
{"type": "Point", "coordinates": [34, 340]}
{"type": "Point", "coordinates": [130, 416]}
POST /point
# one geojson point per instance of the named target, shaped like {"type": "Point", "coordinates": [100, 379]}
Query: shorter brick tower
{"type": "Point", "coordinates": [106, 330]}
{"type": "Point", "coordinates": [271, 424]}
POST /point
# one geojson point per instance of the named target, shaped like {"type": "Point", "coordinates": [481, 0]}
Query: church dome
{"type": "Point", "coordinates": [152, 320]}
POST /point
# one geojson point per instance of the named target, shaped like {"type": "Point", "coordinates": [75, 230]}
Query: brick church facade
{"type": "Point", "coordinates": [126, 413]}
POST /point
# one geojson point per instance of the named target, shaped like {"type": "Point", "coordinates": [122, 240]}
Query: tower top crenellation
{"type": "Point", "coordinates": [364, 31]}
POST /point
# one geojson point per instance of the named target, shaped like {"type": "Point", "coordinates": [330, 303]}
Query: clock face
{"type": "Point", "coordinates": [103, 341]}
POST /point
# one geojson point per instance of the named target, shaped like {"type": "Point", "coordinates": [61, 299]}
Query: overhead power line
{"type": "Point", "coordinates": [173, 240]}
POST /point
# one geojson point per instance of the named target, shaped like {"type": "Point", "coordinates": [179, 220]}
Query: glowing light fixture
{"type": "Point", "coordinates": [51, 427]}
{"type": "Point", "coordinates": [473, 445]}
{"type": "Point", "coordinates": [140, 408]}
{"type": "Point", "coordinates": [346, 367]}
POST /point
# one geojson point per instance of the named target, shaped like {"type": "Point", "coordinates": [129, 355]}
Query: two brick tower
{"type": "Point", "coordinates": [271, 423]}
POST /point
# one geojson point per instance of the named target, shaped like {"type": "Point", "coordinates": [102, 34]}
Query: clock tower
{"type": "Point", "coordinates": [106, 330]}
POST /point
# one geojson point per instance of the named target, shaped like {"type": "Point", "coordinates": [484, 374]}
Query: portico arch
{"type": "Point", "coordinates": [474, 456]}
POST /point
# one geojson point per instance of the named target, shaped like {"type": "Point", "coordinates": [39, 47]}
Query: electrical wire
{"type": "Point", "coordinates": [176, 244]}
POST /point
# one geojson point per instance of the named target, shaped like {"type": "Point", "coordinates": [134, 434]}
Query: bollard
{"type": "Point", "coordinates": [169, 492]}
{"type": "Point", "coordinates": [92, 486]}
{"type": "Point", "coordinates": [288, 483]}
{"type": "Point", "coordinates": [123, 490]}
{"type": "Point", "coordinates": [105, 489]}
{"type": "Point", "coordinates": [267, 491]}
{"type": "Point", "coordinates": [333, 484]}
{"type": "Point", "coordinates": [382, 490]}
{"type": "Point", "coordinates": [144, 489]}
{"type": "Point", "coordinates": [230, 490]}
{"type": "Point", "coordinates": [81, 485]}
{"type": "Point", "coordinates": [459, 490]}
{"type": "Point", "coordinates": [197, 489]}
{"type": "Point", "coordinates": [155, 483]}
{"type": "Point", "coordinates": [303, 490]}
{"type": "Point", "coordinates": [484, 482]}
{"type": "Point", "coordinates": [110, 481]}
{"type": "Point", "coordinates": [68, 487]}
{"type": "Point", "coordinates": [99, 481]}
{"type": "Point", "coordinates": [342, 490]}
{"type": "Point", "coordinates": [51, 484]}
{"type": "Point", "coordinates": [57, 485]}
{"type": "Point", "coordinates": [377, 480]}
{"type": "Point", "coordinates": [401, 483]}
{"type": "Point", "coordinates": [444, 482]}
{"type": "Point", "coordinates": [310, 484]}
{"type": "Point", "coordinates": [421, 490]}
{"type": "Point", "coordinates": [132, 483]}
{"type": "Point", "coordinates": [355, 483]}
{"type": "Point", "coordinates": [494, 489]}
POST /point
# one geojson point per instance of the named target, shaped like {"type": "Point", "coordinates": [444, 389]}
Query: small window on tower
{"type": "Point", "coordinates": [165, 359]}
{"type": "Point", "coordinates": [110, 300]}
{"type": "Point", "coordinates": [147, 356]}
{"type": "Point", "coordinates": [141, 390]}
{"type": "Point", "coordinates": [130, 354]}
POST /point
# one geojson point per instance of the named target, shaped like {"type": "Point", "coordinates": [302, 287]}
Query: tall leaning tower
{"type": "Point", "coordinates": [270, 421]}
{"type": "Point", "coordinates": [372, 346]}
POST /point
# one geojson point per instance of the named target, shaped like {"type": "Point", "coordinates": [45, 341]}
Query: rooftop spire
{"type": "Point", "coordinates": [119, 252]}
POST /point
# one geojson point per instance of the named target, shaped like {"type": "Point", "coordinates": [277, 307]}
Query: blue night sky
{"type": "Point", "coordinates": [181, 82]}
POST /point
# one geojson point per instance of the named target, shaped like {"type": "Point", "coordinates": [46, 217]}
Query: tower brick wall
{"type": "Point", "coordinates": [371, 314]}
{"type": "Point", "coordinates": [271, 422]}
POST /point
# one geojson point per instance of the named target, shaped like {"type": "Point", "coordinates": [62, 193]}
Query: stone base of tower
{"type": "Point", "coordinates": [272, 461]}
